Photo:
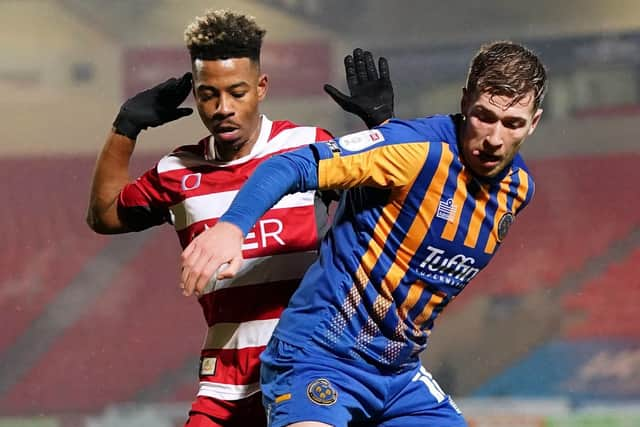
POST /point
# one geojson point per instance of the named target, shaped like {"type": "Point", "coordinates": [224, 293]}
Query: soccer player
{"type": "Point", "coordinates": [194, 184]}
{"type": "Point", "coordinates": [427, 203]}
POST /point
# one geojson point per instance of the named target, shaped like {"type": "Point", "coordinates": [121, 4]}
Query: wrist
{"type": "Point", "coordinates": [123, 126]}
{"type": "Point", "coordinates": [378, 117]}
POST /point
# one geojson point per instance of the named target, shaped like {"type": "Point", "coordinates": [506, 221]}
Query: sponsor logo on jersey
{"type": "Point", "coordinates": [265, 231]}
{"type": "Point", "coordinates": [322, 392]}
{"type": "Point", "coordinates": [208, 366]}
{"type": "Point", "coordinates": [360, 140]}
{"type": "Point", "coordinates": [455, 271]}
{"type": "Point", "coordinates": [504, 224]}
{"type": "Point", "coordinates": [446, 210]}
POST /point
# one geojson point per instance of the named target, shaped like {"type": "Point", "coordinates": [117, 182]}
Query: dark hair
{"type": "Point", "coordinates": [505, 68]}
{"type": "Point", "coordinates": [223, 34]}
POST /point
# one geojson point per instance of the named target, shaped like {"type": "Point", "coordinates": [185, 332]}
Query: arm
{"type": "Point", "coordinates": [150, 108]}
{"type": "Point", "coordinates": [110, 176]}
{"type": "Point", "coordinates": [207, 253]}
{"type": "Point", "coordinates": [318, 166]}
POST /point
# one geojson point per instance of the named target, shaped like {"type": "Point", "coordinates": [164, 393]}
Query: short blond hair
{"type": "Point", "coordinates": [222, 34]}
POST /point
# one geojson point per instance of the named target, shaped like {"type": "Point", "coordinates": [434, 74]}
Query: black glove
{"type": "Point", "coordinates": [153, 107]}
{"type": "Point", "coordinates": [371, 96]}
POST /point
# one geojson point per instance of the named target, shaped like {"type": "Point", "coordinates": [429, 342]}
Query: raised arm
{"type": "Point", "coordinates": [150, 108]}
{"type": "Point", "coordinates": [370, 89]}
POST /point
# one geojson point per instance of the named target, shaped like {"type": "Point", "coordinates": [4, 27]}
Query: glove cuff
{"type": "Point", "coordinates": [124, 127]}
{"type": "Point", "coordinates": [377, 117]}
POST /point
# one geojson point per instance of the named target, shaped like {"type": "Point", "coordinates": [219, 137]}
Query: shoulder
{"type": "Point", "coordinates": [303, 134]}
{"type": "Point", "coordinates": [522, 176]}
{"type": "Point", "coordinates": [438, 128]}
{"type": "Point", "coordinates": [520, 167]}
{"type": "Point", "coordinates": [185, 156]}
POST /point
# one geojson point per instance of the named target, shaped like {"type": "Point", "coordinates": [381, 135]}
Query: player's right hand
{"type": "Point", "coordinates": [214, 253]}
{"type": "Point", "coordinates": [154, 107]}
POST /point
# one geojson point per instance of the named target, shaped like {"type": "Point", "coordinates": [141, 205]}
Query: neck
{"type": "Point", "coordinates": [238, 150]}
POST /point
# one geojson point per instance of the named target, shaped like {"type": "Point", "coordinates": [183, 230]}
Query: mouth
{"type": "Point", "coordinates": [226, 132]}
{"type": "Point", "coordinates": [487, 159]}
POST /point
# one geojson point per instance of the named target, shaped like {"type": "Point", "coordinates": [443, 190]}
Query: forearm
{"type": "Point", "coordinates": [289, 173]}
{"type": "Point", "coordinates": [110, 176]}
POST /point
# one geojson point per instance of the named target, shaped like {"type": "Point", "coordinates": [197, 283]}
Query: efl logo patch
{"type": "Point", "coordinates": [322, 392]}
{"type": "Point", "coordinates": [504, 224]}
{"type": "Point", "coordinates": [361, 140]}
{"type": "Point", "coordinates": [208, 366]}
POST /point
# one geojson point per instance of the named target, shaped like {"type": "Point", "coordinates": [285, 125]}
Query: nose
{"type": "Point", "coordinates": [493, 139]}
{"type": "Point", "coordinates": [225, 106]}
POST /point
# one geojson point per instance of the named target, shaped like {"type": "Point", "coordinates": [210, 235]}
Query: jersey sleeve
{"type": "Point", "coordinates": [377, 158]}
{"type": "Point", "coordinates": [140, 204]}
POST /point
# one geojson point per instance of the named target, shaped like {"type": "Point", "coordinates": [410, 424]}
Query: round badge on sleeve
{"type": "Point", "coordinates": [504, 224]}
{"type": "Point", "coordinates": [322, 392]}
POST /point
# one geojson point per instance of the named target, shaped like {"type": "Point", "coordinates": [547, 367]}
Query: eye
{"type": "Point", "coordinates": [238, 94]}
{"type": "Point", "coordinates": [513, 124]}
{"type": "Point", "coordinates": [485, 117]}
{"type": "Point", "coordinates": [206, 94]}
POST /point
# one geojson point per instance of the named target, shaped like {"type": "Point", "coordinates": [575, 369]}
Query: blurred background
{"type": "Point", "coordinates": [93, 330]}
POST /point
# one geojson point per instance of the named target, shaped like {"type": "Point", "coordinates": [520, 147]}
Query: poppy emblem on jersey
{"type": "Point", "coordinates": [504, 224]}
{"type": "Point", "coordinates": [208, 366]}
{"type": "Point", "coordinates": [322, 392]}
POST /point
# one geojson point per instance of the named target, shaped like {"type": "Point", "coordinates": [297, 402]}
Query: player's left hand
{"type": "Point", "coordinates": [207, 255]}
{"type": "Point", "coordinates": [371, 93]}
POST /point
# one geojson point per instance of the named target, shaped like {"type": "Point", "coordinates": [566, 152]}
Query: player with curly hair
{"type": "Point", "coordinates": [191, 187]}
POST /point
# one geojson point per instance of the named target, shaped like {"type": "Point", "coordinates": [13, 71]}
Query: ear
{"type": "Point", "coordinates": [535, 120]}
{"type": "Point", "coordinates": [263, 86]}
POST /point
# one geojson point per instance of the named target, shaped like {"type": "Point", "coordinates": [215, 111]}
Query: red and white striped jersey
{"type": "Point", "coordinates": [191, 189]}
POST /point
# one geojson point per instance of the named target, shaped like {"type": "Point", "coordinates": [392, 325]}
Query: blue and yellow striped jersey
{"type": "Point", "coordinates": [413, 227]}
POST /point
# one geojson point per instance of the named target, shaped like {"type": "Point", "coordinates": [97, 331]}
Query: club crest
{"type": "Point", "coordinates": [322, 392]}
{"type": "Point", "coordinates": [504, 224]}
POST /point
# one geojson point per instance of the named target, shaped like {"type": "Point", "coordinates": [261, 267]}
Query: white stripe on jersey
{"type": "Point", "coordinates": [227, 391]}
{"type": "Point", "coordinates": [255, 333]}
{"type": "Point", "coordinates": [266, 269]}
{"type": "Point", "coordinates": [208, 206]}
{"type": "Point", "coordinates": [286, 139]}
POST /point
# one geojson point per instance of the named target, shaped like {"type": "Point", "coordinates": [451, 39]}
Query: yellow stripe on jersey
{"type": "Point", "coordinates": [383, 227]}
{"type": "Point", "coordinates": [523, 188]}
{"type": "Point", "coordinates": [490, 247]}
{"type": "Point", "coordinates": [388, 166]}
{"type": "Point", "coordinates": [413, 239]}
{"type": "Point", "coordinates": [451, 228]}
{"type": "Point", "coordinates": [434, 302]}
{"type": "Point", "coordinates": [477, 217]}
{"type": "Point", "coordinates": [415, 235]}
